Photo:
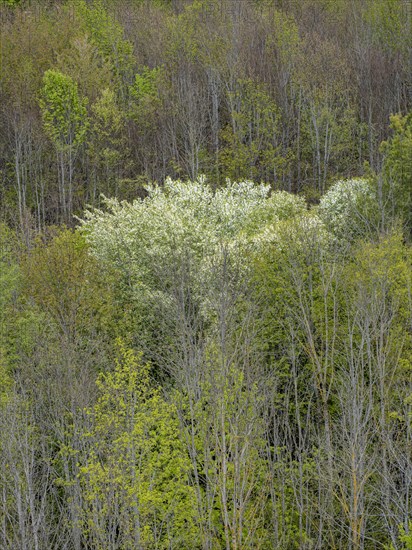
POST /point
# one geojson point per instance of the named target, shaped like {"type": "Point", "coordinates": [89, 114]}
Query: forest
{"type": "Point", "coordinates": [205, 275]}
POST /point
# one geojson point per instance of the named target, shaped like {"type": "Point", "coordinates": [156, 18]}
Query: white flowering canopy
{"type": "Point", "coordinates": [348, 208]}
{"type": "Point", "coordinates": [183, 218]}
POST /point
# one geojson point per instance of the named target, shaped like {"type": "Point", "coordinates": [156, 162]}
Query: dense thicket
{"type": "Point", "coordinates": [206, 275]}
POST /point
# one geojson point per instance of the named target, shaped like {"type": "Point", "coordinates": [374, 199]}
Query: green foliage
{"type": "Point", "coordinates": [251, 149]}
{"type": "Point", "coordinates": [9, 283]}
{"type": "Point", "coordinates": [107, 35]}
{"type": "Point", "coordinates": [285, 40]}
{"type": "Point", "coordinates": [194, 43]}
{"type": "Point", "coordinates": [145, 93]}
{"type": "Point", "coordinates": [64, 112]}
{"type": "Point", "coordinates": [379, 276]}
{"type": "Point", "coordinates": [107, 146]}
{"type": "Point", "coordinates": [145, 83]}
{"type": "Point", "coordinates": [276, 411]}
{"type": "Point", "coordinates": [397, 170]}
{"type": "Point", "coordinates": [405, 537]}
{"type": "Point", "coordinates": [389, 23]}
{"type": "Point", "coordinates": [82, 62]}
{"type": "Point", "coordinates": [109, 116]}
{"type": "Point", "coordinates": [65, 283]}
{"type": "Point", "coordinates": [18, 321]}
{"type": "Point", "coordinates": [135, 478]}
{"type": "Point", "coordinates": [8, 286]}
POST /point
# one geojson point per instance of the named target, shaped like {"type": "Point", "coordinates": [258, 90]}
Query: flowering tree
{"type": "Point", "coordinates": [183, 257]}
{"type": "Point", "coordinates": [349, 209]}
{"type": "Point", "coordinates": [182, 216]}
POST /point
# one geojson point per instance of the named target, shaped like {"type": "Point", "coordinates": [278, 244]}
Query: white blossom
{"type": "Point", "coordinates": [348, 208]}
{"type": "Point", "coordinates": [188, 226]}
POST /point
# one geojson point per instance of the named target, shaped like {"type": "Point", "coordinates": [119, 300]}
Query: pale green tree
{"type": "Point", "coordinates": [65, 122]}
{"type": "Point", "coordinates": [135, 473]}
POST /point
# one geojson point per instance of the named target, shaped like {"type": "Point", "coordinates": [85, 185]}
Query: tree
{"type": "Point", "coordinates": [62, 280]}
{"type": "Point", "coordinates": [396, 180]}
{"type": "Point", "coordinates": [108, 149]}
{"type": "Point", "coordinates": [107, 35]}
{"type": "Point", "coordinates": [65, 122]}
{"type": "Point", "coordinates": [350, 210]}
{"type": "Point", "coordinates": [134, 473]}
{"type": "Point", "coordinates": [251, 141]}
{"type": "Point", "coordinates": [183, 253]}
